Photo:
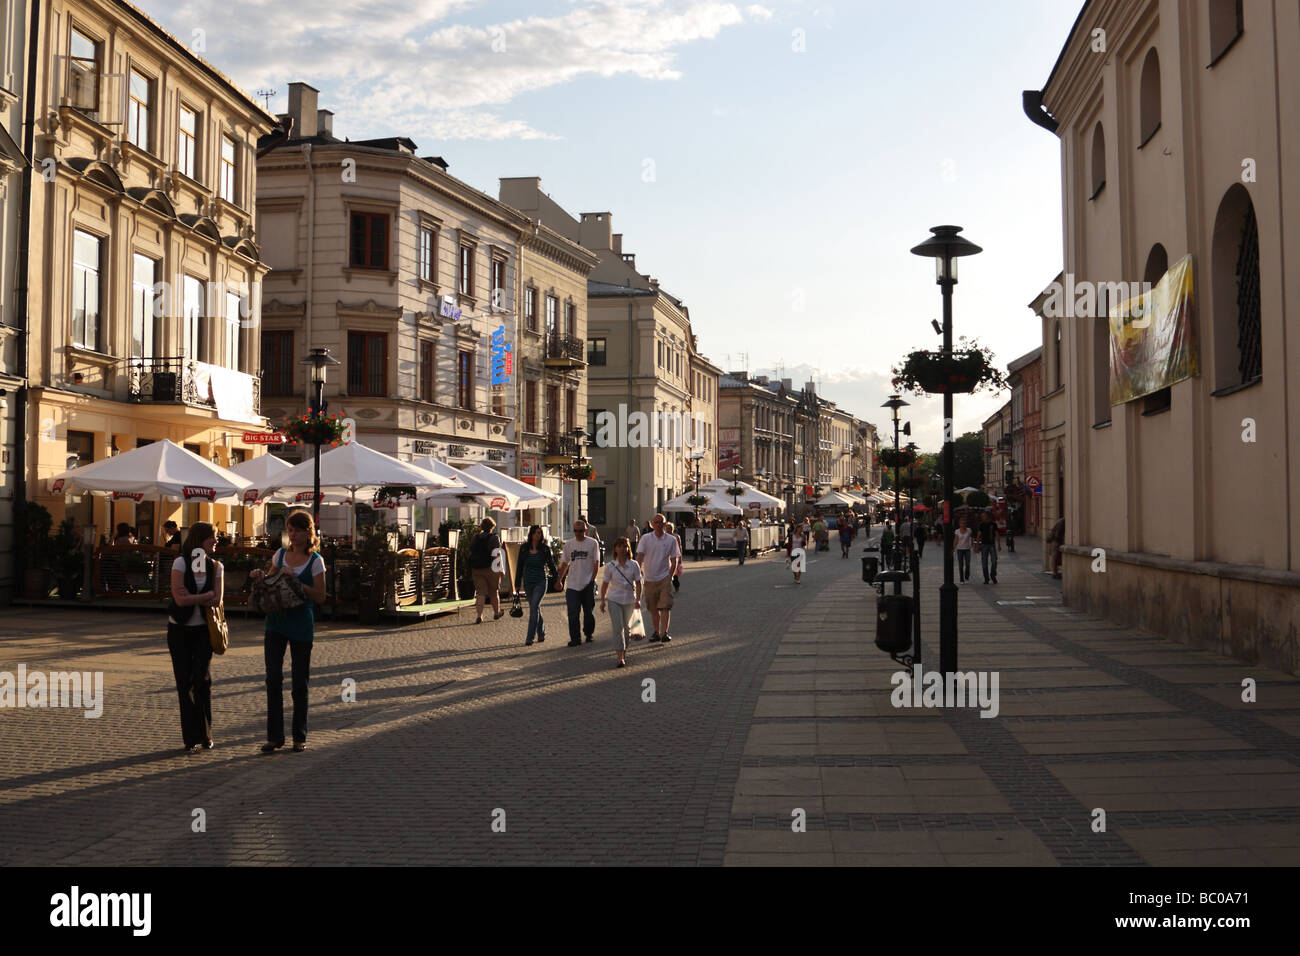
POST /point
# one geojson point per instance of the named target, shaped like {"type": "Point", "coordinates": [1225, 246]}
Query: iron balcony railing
{"type": "Point", "coordinates": [570, 347]}
{"type": "Point", "coordinates": [557, 445]}
{"type": "Point", "coordinates": [182, 381]}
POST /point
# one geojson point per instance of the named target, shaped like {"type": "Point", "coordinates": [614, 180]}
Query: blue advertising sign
{"type": "Point", "coordinates": [502, 357]}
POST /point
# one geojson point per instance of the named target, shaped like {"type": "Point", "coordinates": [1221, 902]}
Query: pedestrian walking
{"type": "Point", "coordinates": [846, 538]}
{"type": "Point", "coordinates": [961, 545]}
{"type": "Point", "coordinates": [294, 629]}
{"type": "Point", "coordinates": [579, 562]}
{"type": "Point", "coordinates": [887, 545]}
{"type": "Point", "coordinates": [920, 534]}
{"type": "Point", "coordinates": [632, 533]}
{"type": "Point", "coordinates": [197, 582]}
{"type": "Point", "coordinates": [660, 554]}
{"type": "Point", "coordinates": [487, 583]}
{"type": "Point", "coordinates": [535, 570]}
{"type": "Point", "coordinates": [1057, 538]}
{"type": "Point", "coordinates": [621, 584]}
{"type": "Point", "coordinates": [742, 541]}
{"type": "Point", "coordinates": [798, 540]}
{"type": "Point", "coordinates": [990, 544]}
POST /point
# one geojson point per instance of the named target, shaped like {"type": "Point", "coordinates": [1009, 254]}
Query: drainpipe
{"type": "Point", "coordinates": [20, 297]}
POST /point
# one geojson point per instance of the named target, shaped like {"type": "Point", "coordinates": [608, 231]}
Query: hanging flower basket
{"type": "Point", "coordinates": [395, 493]}
{"type": "Point", "coordinates": [697, 501]}
{"type": "Point", "coordinates": [735, 491]}
{"type": "Point", "coordinates": [580, 473]}
{"type": "Point", "coordinates": [968, 369]}
{"type": "Point", "coordinates": [314, 430]}
{"type": "Point", "coordinates": [897, 458]}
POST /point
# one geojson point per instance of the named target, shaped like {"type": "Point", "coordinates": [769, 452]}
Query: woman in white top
{"type": "Point", "coordinates": [622, 586]}
{"type": "Point", "coordinates": [798, 541]}
{"type": "Point", "coordinates": [197, 583]}
{"type": "Point", "coordinates": [961, 544]}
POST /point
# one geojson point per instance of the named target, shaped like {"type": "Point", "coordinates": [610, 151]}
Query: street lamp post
{"type": "Point", "coordinates": [578, 461]}
{"type": "Point", "coordinates": [735, 477]}
{"type": "Point", "coordinates": [894, 404]}
{"type": "Point", "coordinates": [945, 246]}
{"type": "Point", "coordinates": [320, 360]}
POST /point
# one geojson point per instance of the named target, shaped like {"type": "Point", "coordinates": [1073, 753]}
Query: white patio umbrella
{"type": "Point", "coordinates": [529, 496]}
{"type": "Point", "coordinates": [160, 469]}
{"type": "Point", "coordinates": [259, 471]}
{"type": "Point", "coordinates": [718, 503]}
{"type": "Point", "coordinates": [470, 489]}
{"type": "Point", "coordinates": [752, 497]}
{"type": "Point", "coordinates": [835, 499]}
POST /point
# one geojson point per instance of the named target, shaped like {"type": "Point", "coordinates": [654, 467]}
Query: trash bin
{"type": "Point", "coordinates": [870, 566]}
{"type": "Point", "coordinates": [894, 623]}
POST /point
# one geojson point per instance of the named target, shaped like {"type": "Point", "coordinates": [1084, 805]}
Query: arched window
{"type": "Point", "coordinates": [1234, 277]}
{"type": "Point", "coordinates": [1098, 160]}
{"type": "Point", "coordinates": [1157, 265]}
{"type": "Point", "coordinates": [1149, 98]}
{"type": "Point", "coordinates": [1226, 25]}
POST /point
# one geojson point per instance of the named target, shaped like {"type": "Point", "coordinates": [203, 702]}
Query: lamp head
{"type": "Point", "coordinates": [945, 246]}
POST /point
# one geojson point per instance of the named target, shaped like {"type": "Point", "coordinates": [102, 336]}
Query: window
{"type": "Point", "coordinates": [369, 246]}
{"type": "Point", "coordinates": [232, 330]}
{"type": "Point", "coordinates": [466, 270]}
{"type": "Point", "coordinates": [570, 320]}
{"type": "Point", "coordinates": [138, 109]}
{"type": "Point", "coordinates": [194, 324]}
{"type": "Point", "coordinates": [226, 184]}
{"type": "Point", "coordinates": [83, 73]}
{"type": "Point", "coordinates": [596, 352]}
{"type": "Point", "coordinates": [1149, 98]}
{"type": "Point", "coordinates": [530, 406]}
{"type": "Point", "coordinates": [552, 310]}
{"type": "Point", "coordinates": [499, 401]}
{"type": "Point", "coordinates": [85, 290]}
{"type": "Point", "coordinates": [596, 505]}
{"type": "Point", "coordinates": [498, 285]}
{"type": "Point", "coordinates": [425, 254]}
{"type": "Point", "coordinates": [1225, 27]}
{"type": "Point", "coordinates": [1098, 160]}
{"type": "Point", "coordinates": [187, 142]}
{"type": "Point", "coordinates": [530, 309]}
{"type": "Point", "coordinates": [1235, 284]}
{"type": "Point", "coordinates": [277, 363]}
{"type": "Point", "coordinates": [144, 273]}
{"type": "Point", "coordinates": [465, 379]}
{"type": "Point", "coordinates": [426, 371]}
{"type": "Point", "coordinates": [367, 363]}
{"type": "Point", "coordinates": [593, 425]}
{"type": "Point", "coordinates": [1157, 265]}
{"type": "Point", "coordinates": [1056, 357]}
{"type": "Point", "coordinates": [553, 411]}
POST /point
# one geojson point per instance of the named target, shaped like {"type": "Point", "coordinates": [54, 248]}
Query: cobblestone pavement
{"type": "Point", "coordinates": [770, 697]}
{"type": "Point", "coordinates": [1092, 717]}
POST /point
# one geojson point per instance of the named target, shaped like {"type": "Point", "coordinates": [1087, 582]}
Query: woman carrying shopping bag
{"type": "Point", "coordinates": [622, 586]}
{"type": "Point", "coordinates": [535, 570]}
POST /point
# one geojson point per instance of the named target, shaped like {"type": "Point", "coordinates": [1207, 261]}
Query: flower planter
{"type": "Point", "coordinates": [963, 371]}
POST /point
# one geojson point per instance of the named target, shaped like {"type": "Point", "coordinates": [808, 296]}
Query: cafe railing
{"type": "Point", "coordinates": [135, 572]}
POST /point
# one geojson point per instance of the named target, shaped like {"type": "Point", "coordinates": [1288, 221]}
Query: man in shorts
{"type": "Point", "coordinates": [660, 554]}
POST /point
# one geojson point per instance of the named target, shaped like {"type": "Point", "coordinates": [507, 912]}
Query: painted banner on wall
{"type": "Point", "coordinates": [1152, 339]}
{"type": "Point", "coordinates": [728, 448]}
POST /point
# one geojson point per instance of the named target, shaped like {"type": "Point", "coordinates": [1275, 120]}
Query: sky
{"type": "Point", "coordinates": [771, 163]}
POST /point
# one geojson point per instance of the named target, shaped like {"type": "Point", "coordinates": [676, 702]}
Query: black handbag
{"type": "Point", "coordinates": [516, 609]}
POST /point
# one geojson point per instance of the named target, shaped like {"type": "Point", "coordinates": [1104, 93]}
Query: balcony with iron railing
{"type": "Point", "coordinates": [235, 396]}
{"type": "Point", "coordinates": [564, 351]}
{"type": "Point", "coordinates": [559, 449]}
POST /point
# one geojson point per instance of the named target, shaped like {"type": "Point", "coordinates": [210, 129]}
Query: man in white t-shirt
{"type": "Point", "coordinates": [660, 554]}
{"type": "Point", "coordinates": [579, 562]}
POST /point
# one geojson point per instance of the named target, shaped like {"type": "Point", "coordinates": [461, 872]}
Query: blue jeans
{"type": "Point", "coordinates": [989, 556]}
{"type": "Point", "coordinates": [300, 658]}
{"type": "Point", "coordinates": [963, 563]}
{"type": "Point", "coordinates": [581, 600]}
{"type": "Point", "coordinates": [535, 593]}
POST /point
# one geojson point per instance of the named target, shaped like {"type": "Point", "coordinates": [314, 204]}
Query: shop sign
{"type": "Point", "coordinates": [265, 438]}
{"type": "Point", "coordinates": [503, 361]}
{"type": "Point", "coordinates": [448, 308]}
{"type": "Point", "coordinates": [198, 493]}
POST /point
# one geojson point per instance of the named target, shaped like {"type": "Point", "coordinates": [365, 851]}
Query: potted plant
{"type": "Point", "coordinates": [891, 458]}
{"type": "Point", "coordinates": [968, 368]}
{"type": "Point", "coordinates": [314, 430]}
{"type": "Point", "coordinates": [579, 473]}
{"type": "Point", "coordinates": [32, 524]}
{"type": "Point", "coordinates": [735, 491]}
{"type": "Point", "coordinates": [379, 565]}
{"type": "Point", "coordinates": [67, 559]}
{"type": "Point", "coordinates": [395, 493]}
{"type": "Point", "coordinates": [697, 501]}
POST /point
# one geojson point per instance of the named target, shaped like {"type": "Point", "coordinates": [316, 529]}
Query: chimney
{"type": "Point", "coordinates": [739, 376]}
{"type": "Point", "coordinates": [618, 243]}
{"type": "Point", "coordinates": [325, 122]}
{"type": "Point", "coordinates": [785, 382]}
{"type": "Point", "coordinates": [760, 379]}
{"type": "Point", "coordinates": [595, 231]}
{"type": "Point", "coordinates": [302, 107]}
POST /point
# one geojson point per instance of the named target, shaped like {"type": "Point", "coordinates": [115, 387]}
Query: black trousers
{"type": "Point", "coordinates": [585, 600]}
{"type": "Point", "coordinates": [300, 661]}
{"type": "Point", "coordinates": [191, 652]}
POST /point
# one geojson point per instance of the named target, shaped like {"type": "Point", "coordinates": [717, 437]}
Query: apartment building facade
{"type": "Point", "coordinates": [1026, 380]}
{"type": "Point", "coordinates": [756, 428]}
{"type": "Point", "coordinates": [1181, 141]}
{"type": "Point", "coordinates": [142, 302]}
{"type": "Point", "coordinates": [997, 450]}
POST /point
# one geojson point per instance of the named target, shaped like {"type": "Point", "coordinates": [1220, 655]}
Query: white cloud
{"type": "Point", "coordinates": [402, 67]}
{"type": "Point", "coordinates": [758, 13]}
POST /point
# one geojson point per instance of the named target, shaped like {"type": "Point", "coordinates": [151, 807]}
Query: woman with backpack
{"type": "Point", "coordinates": [197, 582]}
{"type": "Point", "coordinates": [487, 583]}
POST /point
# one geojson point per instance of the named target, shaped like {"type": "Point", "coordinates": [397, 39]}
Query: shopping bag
{"type": "Point", "coordinates": [635, 626]}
